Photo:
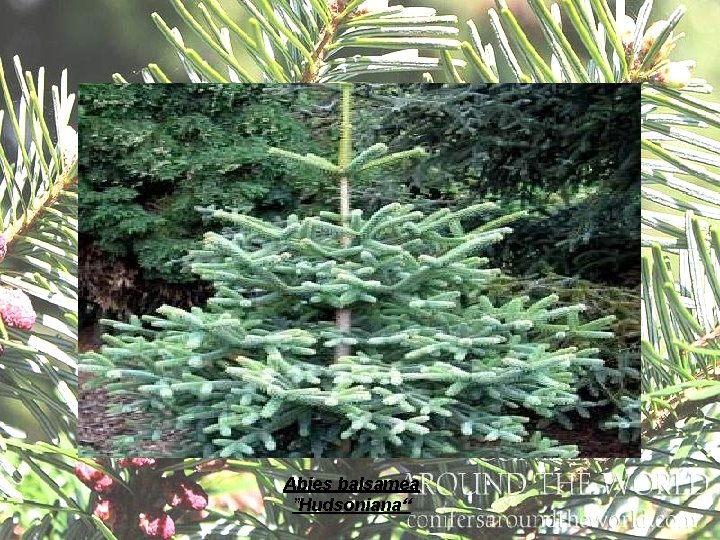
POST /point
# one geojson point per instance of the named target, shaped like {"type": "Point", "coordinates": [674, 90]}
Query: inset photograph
{"type": "Point", "coordinates": [421, 270]}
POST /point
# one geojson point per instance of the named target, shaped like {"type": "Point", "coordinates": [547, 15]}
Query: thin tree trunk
{"type": "Point", "coordinates": [343, 317]}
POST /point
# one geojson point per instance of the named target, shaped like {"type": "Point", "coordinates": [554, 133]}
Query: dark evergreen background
{"type": "Point", "coordinates": [150, 155]}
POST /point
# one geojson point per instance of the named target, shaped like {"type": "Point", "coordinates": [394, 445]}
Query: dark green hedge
{"type": "Point", "coordinates": [151, 154]}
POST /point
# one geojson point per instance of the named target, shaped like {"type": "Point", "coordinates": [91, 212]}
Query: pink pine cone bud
{"type": "Point", "coordinates": [3, 246]}
{"type": "Point", "coordinates": [138, 463]}
{"type": "Point", "coordinates": [16, 309]}
{"type": "Point", "coordinates": [108, 512]}
{"type": "Point", "coordinates": [185, 494]}
{"type": "Point", "coordinates": [96, 480]}
{"type": "Point", "coordinates": [157, 526]}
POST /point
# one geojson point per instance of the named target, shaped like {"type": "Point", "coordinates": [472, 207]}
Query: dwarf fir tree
{"type": "Point", "coordinates": [342, 334]}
